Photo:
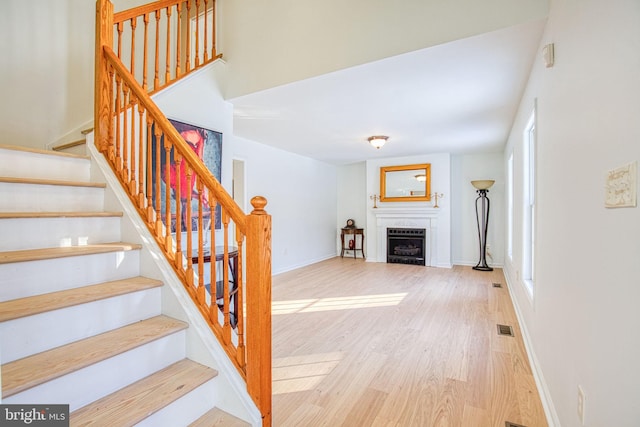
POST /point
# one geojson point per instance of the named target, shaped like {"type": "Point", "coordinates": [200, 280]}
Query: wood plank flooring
{"type": "Point", "coordinates": [375, 344]}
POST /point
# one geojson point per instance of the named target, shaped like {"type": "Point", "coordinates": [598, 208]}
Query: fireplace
{"type": "Point", "coordinates": [406, 245]}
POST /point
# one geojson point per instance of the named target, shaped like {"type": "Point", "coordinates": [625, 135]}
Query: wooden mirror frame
{"type": "Point", "coordinates": [419, 169]}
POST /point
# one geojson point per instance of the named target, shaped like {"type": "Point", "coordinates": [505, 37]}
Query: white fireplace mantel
{"type": "Point", "coordinates": [398, 217]}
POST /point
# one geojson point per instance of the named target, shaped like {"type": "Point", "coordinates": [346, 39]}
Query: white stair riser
{"type": "Point", "coordinates": [49, 198]}
{"type": "Point", "coordinates": [93, 382]}
{"type": "Point", "coordinates": [33, 233]}
{"type": "Point", "coordinates": [23, 279]}
{"type": "Point", "coordinates": [24, 164]}
{"type": "Point", "coordinates": [185, 410]}
{"type": "Point", "coordinates": [34, 334]}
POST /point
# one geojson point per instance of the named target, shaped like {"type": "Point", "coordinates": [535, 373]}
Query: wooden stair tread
{"type": "Point", "coordinates": [42, 151]}
{"type": "Point", "coordinates": [12, 215]}
{"type": "Point", "coordinates": [66, 251]}
{"type": "Point", "coordinates": [29, 306]}
{"type": "Point", "coordinates": [38, 181]}
{"type": "Point", "coordinates": [137, 401]}
{"type": "Point", "coordinates": [218, 417]}
{"type": "Point", "coordinates": [31, 371]}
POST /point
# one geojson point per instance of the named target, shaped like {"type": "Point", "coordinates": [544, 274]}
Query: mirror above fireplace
{"type": "Point", "coordinates": [406, 183]}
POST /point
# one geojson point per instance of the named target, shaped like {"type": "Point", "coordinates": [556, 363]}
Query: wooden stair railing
{"type": "Point", "coordinates": [155, 165]}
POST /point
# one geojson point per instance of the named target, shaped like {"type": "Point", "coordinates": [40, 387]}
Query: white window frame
{"type": "Point", "coordinates": [510, 207]}
{"type": "Point", "coordinates": [529, 208]}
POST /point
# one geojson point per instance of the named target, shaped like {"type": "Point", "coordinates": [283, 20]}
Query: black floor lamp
{"type": "Point", "coordinates": [482, 218]}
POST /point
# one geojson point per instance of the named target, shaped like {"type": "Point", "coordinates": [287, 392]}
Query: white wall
{"type": "Point", "coordinates": [440, 182]}
{"type": "Point", "coordinates": [301, 194]}
{"type": "Point", "coordinates": [352, 197]}
{"type": "Point", "coordinates": [46, 69]}
{"type": "Point", "coordinates": [583, 322]}
{"type": "Point", "coordinates": [464, 227]}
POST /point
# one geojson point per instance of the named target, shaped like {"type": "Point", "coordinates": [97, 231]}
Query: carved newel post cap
{"type": "Point", "coordinates": [258, 203]}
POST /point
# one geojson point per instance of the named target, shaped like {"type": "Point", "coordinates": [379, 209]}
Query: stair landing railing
{"type": "Point", "coordinates": [171, 188]}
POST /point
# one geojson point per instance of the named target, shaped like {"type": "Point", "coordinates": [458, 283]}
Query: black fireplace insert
{"type": "Point", "coordinates": [406, 245]}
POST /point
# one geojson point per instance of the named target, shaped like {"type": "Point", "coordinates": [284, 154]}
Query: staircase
{"type": "Point", "coordinates": [79, 325]}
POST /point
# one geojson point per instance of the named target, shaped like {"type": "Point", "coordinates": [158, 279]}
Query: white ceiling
{"type": "Point", "coordinates": [457, 97]}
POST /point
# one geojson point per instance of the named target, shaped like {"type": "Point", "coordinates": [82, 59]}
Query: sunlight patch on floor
{"type": "Point", "coordinates": [301, 373]}
{"type": "Point", "coordinates": [336, 303]}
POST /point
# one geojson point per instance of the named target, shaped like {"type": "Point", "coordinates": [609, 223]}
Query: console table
{"type": "Point", "coordinates": [355, 232]}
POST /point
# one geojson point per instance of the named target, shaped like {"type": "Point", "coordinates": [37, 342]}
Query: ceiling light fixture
{"type": "Point", "coordinates": [421, 177]}
{"type": "Point", "coordinates": [377, 141]}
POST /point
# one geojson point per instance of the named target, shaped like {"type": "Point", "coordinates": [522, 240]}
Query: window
{"type": "Point", "coordinates": [529, 193]}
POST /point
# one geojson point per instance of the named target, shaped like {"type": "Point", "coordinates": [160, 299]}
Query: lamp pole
{"type": "Point", "coordinates": [482, 219]}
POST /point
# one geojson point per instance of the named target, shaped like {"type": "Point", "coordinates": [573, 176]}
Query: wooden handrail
{"type": "Point", "coordinates": [155, 165]}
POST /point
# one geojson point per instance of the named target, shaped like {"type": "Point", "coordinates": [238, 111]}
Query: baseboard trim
{"type": "Point", "coordinates": [541, 384]}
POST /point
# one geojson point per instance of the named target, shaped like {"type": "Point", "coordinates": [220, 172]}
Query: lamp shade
{"type": "Point", "coordinates": [377, 141]}
{"type": "Point", "coordinates": [482, 184]}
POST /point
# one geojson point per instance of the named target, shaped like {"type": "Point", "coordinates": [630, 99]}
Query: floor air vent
{"type": "Point", "coordinates": [505, 330]}
{"type": "Point", "coordinates": [510, 424]}
{"type": "Point", "coordinates": [497, 285]}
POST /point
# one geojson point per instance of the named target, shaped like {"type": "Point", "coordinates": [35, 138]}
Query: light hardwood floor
{"type": "Point", "coordinates": [374, 344]}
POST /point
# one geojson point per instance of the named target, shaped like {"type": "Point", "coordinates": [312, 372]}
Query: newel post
{"type": "Point", "coordinates": [258, 299]}
{"type": "Point", "coordinates": [102, 92]}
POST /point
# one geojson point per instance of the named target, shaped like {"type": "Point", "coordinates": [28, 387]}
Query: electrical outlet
{"type": "Point", "coordinates": [581, 405]}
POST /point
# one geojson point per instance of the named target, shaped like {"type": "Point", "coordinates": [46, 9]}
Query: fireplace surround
{"type": "Point", "coordinates": [407, 217]}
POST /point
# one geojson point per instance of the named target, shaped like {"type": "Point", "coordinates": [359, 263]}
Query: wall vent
{"type": "Point", "coordinates": [510, 424]}
{"type": "Point", "coordinates": [497, 285]}
{"type": "Point", "coordinates": [505, 330]}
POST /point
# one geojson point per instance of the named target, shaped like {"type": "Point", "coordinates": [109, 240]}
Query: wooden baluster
{"type": "Point", "coordinates": [158, 207]}
{"type": "Point", "coordinates": [201, 288]}
{"type": "Point", "coordinates": [111, 150]}
{"type": "Point", "coordinates": [145, 58]}
{"type": "Point", "coordinates": [167, 74]}
{"type": "Point", "coordinates": [188, 37]}
{"type": "Point", "coordinates": [178, 40]}
{"type": "Point", "coordinates": [206, 32]}
{"type": "Point", "coordinates": [134, 22]}
{"type": "Point", "coordinates": [225, 278]}
{"type": "Point", "coordinates": [197, 16]}
{"type": "Point", "coordinates": [189, 228]}
{"type": "Point", "coordinates": [125, 134]}
{"type": "Point", "coordinates": [141, 151]}
{"type": "Point", "coordinates": [178, 197]}
{"type": "Point", "coordinates": [119, 30]}
{"type": "Point", "coordinates": [118, 159]}
{"type": "Point", "coordinates": [258, 297]}
{"type": "Point", "coordinates": [213, 30]}
{"type": "Point", "coordinates": [150, 216]}
{"type": "Point", "coordinates": [240, 357]}
{"type": "Point", "coordinates": [156, 78]}
{"type": "Point", "coordinates": [132, 146]}
{"type": "Point", "coordinates": [167, 176]}
{"type": "Point", "coordinates": [213, 307]}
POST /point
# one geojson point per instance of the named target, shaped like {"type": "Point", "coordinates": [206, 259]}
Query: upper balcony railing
{"type": "Point", "coordinates": [163, 41]}
{"type": "Point", "coordinates": [193, 219]}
